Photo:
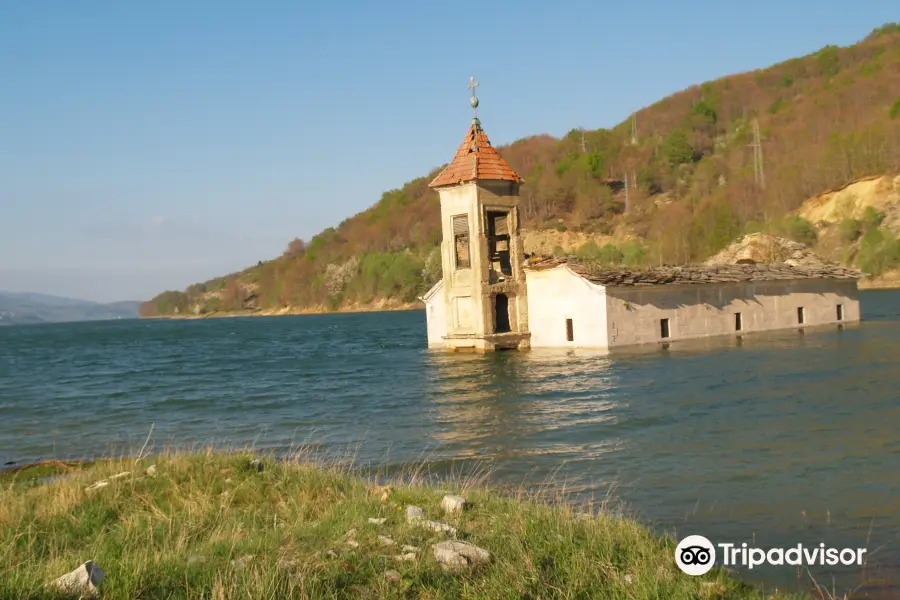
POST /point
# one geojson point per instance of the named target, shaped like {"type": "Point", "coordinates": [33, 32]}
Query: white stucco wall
{"type": "Point", "coordinates": [435, 315]}
{"type": "Point", "coordinates": [461, 290]}
{"type": "Point", "coordinates": [555, 295]}
{"type": "Point", "coordinates": [703, 310]}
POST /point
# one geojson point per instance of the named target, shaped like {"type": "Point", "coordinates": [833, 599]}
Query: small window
{"type": "Point", "coordinates": [738, 325]}
{"type": "Point", "coordinates": [570, 331]}
{"type": "Point", "coordinates": [664, 328]}
{"type": "Point", "coordinates": [840, 312]}
{"type": "Point", "coordinates": [461, 241]}
{"type": "Point", "coordinates": [801, 317]}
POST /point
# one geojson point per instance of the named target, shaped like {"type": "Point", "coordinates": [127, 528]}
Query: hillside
{"type": "Point", "coordinates": [22, 308]}
{"type": "Point", "coordinates": [825, 121]}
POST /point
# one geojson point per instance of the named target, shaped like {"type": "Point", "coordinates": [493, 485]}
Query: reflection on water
{"type": "Point", "coordinates": [513, 405]}
{"type": "Point", "coordinates": [776, 438]}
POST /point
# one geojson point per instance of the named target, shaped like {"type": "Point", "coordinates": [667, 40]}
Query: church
{"type": "Point", "coordinates": [491, 298]}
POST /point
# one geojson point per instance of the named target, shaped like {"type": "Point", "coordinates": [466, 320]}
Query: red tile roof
{"type": "Point", "coordinates": [475, 160]}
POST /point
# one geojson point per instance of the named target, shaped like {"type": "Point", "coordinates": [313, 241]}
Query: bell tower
{"type": "Point", "coordinates": [484, 293]}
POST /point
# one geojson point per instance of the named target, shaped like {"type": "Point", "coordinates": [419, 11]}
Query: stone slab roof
{"type": "Point", "coordinates": [475, 160]}
{"type": "Point", "coordinates": [693, 274]}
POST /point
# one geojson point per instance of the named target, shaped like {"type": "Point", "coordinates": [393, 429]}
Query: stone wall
{"type": "Point", "coordinates": [634, 314]}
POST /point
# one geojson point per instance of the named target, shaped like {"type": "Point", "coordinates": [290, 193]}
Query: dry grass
{"type": "Point", "coordinates": [210, 525]}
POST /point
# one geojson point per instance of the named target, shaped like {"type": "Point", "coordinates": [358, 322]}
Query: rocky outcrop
{"type": "Point", "coordinates": [850, 202]}
{"type": "Point", "coordinates": [543, 241]}
{"type": "Point", "coordinates": [762, 248]}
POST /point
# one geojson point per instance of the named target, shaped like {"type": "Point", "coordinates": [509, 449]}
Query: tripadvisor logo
{"type": "Point", "coordinates": [696, 555]}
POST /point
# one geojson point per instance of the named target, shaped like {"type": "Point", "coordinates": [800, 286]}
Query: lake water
{"type": "Point", "coordinates": [775, 439]}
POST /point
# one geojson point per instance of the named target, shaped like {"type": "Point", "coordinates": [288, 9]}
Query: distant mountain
{"type": "Point", "coordinates": [132, 306]}
{"type": "Point", "coordinates": [46, 299]}
{"type": "Point", "coordinates": [22, 308]}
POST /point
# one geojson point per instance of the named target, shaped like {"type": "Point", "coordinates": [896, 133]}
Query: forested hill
{"type": "Point", "coordinates": [824, 120]}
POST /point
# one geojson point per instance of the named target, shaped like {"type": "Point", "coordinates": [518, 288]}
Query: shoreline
{"type": "Point", "coordinates": [880, 284]}
{"type": "Point", "coordinates": [875, 283]}
{"type": "Point", "coordinates": [351, 310]}
{"type": "Point", "coordinates": [252, 526]}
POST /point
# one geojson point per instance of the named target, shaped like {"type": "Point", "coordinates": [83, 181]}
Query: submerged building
{"type": "Point", "coordinates": [491, 298]}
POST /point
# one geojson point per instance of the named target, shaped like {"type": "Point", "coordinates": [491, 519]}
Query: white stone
{"type": "Point", "coordinates": [352, 543]}
{"type": "Point", "coordinates": [408, 548]}
{"type": "Point", "coordinates": [451, 561]}
{"type": "Point", "coordinates": [376, 521]}
{"type": "Point", "coordinates": [105, 482]}
{"type": "Point", "coordinates": [438, 526]}
{"type": "Point", "coordinates": [151, 471]}
{"type": "Point", "coordinates": [414, 514]}
{"type": "Point", "coordinates": [385, 541]}
{"type": "Point", "coordinates": [83, 580]}
{"type": "Point", "coordinates": [96, 486]}
{"type": "Point", "coordinates": [392, 575]}
{"type": "Point", "coordinates": [455, 555]}
{"type": "Point", "coordinates": [408, 557]}
{"type": "Point", "coordinates": [453, 504]}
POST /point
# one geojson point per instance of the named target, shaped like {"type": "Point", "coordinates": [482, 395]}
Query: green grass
{"type": "Point", "coordinates": [208, 525]}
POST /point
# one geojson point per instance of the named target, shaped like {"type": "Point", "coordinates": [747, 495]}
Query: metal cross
{"type": "Point", "coordinates": [474, 100]}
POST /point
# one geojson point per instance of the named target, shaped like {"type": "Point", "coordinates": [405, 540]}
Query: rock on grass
{"type": "Point", "coordinates": [454, 555]}
{"type": "Point", "coordinates": [82, 581]}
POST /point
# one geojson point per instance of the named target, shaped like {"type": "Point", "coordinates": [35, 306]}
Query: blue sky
{"type": "Point", "coordinates": [145, 146]}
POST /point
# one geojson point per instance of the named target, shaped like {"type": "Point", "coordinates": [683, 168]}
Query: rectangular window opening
{"type": "Point", "coordinates": [840, 312]}
{"type": "Point", "coordinates": [498, 234]}
{"type": "Point", "coordinates": [738, 325]}
{"type": "Point", "coordinates": [801, 317]}
{"type": "Point", "coordinates": [501, 314]}
{"type": "Point", "coordinates": [461, 241]}
{"type": "Point", "coordinates": [664, 328]}
{"type": "Point", "coordinates": [570, 331]}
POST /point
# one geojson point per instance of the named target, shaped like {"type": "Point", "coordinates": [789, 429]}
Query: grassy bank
{"type": "Point", "coordinates": [214, 525]}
